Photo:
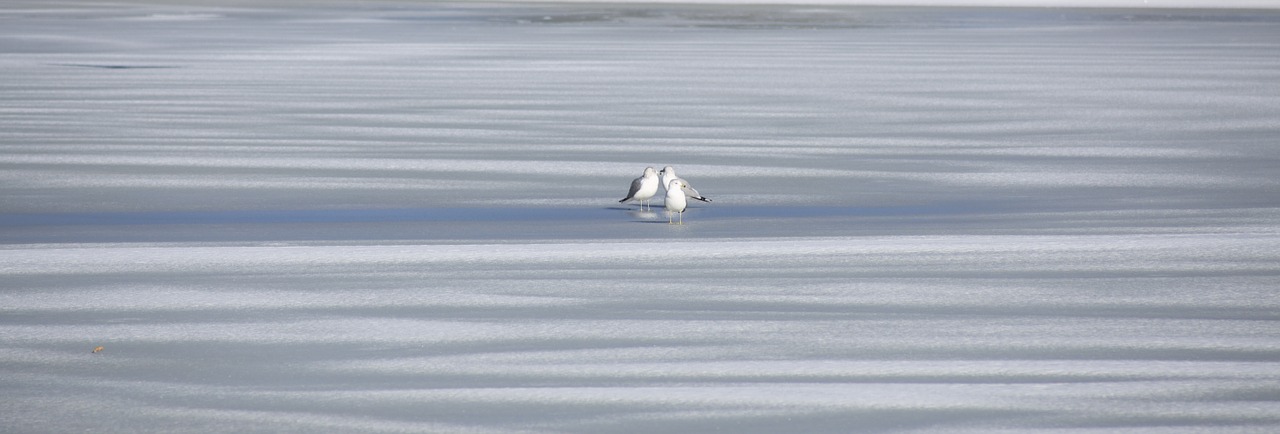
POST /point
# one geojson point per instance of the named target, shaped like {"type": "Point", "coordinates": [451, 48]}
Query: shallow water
{"type": "Point", "coordinates": [403, 217]}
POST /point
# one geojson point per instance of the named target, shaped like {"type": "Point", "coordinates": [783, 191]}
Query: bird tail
{"type": "Point", "coordinates": [702, 199]}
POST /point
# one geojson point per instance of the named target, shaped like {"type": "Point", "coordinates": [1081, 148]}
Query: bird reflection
{"type": "Point", "coordinates": [643, 214]}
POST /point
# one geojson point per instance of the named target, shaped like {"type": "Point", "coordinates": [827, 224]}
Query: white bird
{"type": "Point", "coordinates": [669, 174]}
{"type": "Point", "coordinates": [675, 202]}
{"type": "Point", "coordinates": [643, 188]}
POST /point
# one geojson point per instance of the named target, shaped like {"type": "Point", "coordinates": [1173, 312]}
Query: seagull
{"type": "Point", "coordinates": [675, 199]}
{"type": "Point", "coordinates": [669, 174]}
{"type": "Point", "coordinates": [643, 188]}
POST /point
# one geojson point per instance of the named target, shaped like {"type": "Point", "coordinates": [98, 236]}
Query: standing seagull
{"type": "Point", "coordinates": [675, 199]}
{"type": "Point", "coordinates": [643, 188]}
{"type": "Point", "coordinates": [669, 174]}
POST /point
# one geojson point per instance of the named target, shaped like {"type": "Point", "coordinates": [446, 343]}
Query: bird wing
{"type": "Point", "coordinates": [635, 187]}
{"type": "Point", "coordinates": [689, 191]}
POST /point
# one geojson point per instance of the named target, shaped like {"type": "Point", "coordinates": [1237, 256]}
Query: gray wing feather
{"type": "Point", "coordinates": [690, 192]}
{"type": "Point", "coordinates": [635, 187]}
